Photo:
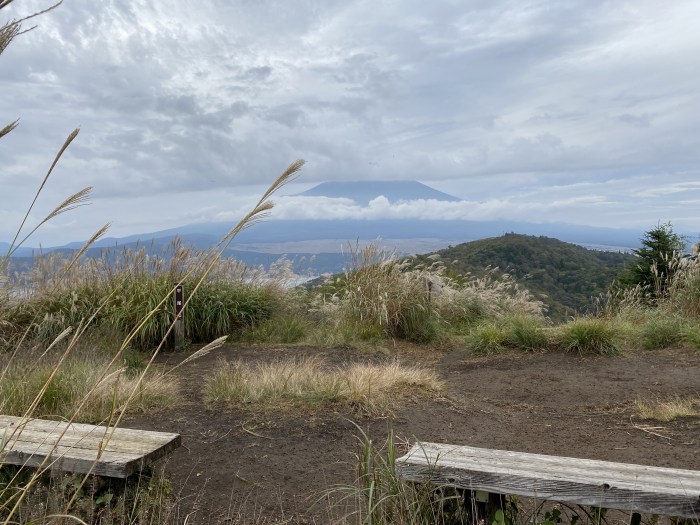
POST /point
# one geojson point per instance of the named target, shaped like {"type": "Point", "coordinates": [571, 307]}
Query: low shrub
{"type": "Point", "coordinates": [417, 324]}
{"type": "Point", "coordinates": [691, 334]}
{"type": "Point", "coordinates": [279, 329]}
{"type": "Point", "coordinates": [222, 307]}
{"type": "Point", "coordinates": [663, 331]}
{"type": "Point", "coordinates": [591, 335]}
{"type": "Point", "coordinates": [488, 338]}
{"type": "Point", "coordinates": [526, 333]}
{"type": "Point", "coordinates": [519, 332]}
{"type": "Point", "coordinates": [133, 293]}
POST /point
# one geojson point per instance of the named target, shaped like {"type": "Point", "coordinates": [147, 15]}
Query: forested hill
{"type": "Point", "coordinates": [566, 276]}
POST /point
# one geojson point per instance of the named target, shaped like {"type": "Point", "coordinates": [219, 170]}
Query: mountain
{"type": "Point", "coordinates": [365, 191]}
{"type": "Point", "coordinates": [316, 244]}
{"type": "Point", "coordinates": [20, 252]}
{"type": "Point", "coordinates": [454, 231]}
{"type": "Point", "coordinates": [325, 238]}
{"type": "Point", "coordinates": [567, 277]}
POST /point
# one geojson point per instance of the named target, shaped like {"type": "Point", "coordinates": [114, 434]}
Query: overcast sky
{"type": "Point", "coordinates": [584, 112]}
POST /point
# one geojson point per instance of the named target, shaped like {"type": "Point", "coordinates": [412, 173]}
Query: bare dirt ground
{"type": "Point", "coordinates": [252, 463]}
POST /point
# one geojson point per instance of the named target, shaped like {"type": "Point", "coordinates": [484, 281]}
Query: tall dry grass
{"type": "Point", "coordinates": [382, 295]}
{"type": "Point", "coordinates": [26, 377]}
{"type": "Point", "coordinates": [48, 387]}
{"type": "Point", "coordinates": [128, 285]}
{"type": "Point", "coordinates": [65, 388]}
{"type": "Point", "coordinates": [380, 497]}
{"type": "Point", "coordinates": [664, 314]}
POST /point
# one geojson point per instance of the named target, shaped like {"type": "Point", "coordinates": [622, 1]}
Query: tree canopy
{"type": "Point", "coordinates": [654, 267]}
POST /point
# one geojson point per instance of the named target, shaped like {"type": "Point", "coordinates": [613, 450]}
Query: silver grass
{"type": "Point", "coordinates": [95, 236]}
{"type": "Point", "coordinates": [13, 245]}
{"type": "Point", "coordinates": [74, 201]}
{"type": "Point", "coordinates": [12, 125]}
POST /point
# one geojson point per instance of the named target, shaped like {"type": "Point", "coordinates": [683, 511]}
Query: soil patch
{"type": "Point", "coordinates": [249, 463]}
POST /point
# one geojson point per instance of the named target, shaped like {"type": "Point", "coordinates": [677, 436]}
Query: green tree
{"type": "Point", "coordinates": [654, 268]}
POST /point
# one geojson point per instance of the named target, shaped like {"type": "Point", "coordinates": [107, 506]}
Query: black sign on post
{"type": "Point", "coordinates": [179, 326]}
{"type": "Point", "coordinates": [179, 301]}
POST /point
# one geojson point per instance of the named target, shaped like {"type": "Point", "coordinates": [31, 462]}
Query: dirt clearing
{"type": "Point", "coordinates": [275, 463]}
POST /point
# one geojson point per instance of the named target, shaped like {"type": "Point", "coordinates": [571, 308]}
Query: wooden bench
{"type": "Point", "coordinates": [643, 489]}
{"type": "Point", "coordinates": [99, 450]}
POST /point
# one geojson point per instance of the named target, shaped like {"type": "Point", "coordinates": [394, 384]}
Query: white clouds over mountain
{"type": "Point", "coordinates": [500, 102]}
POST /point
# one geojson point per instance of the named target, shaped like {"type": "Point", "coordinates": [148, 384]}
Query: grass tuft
{"type": "Point", "coordinates": [72, 382]}
{"type": "Point", "coordinates": [526, 333]}
{"type": "Point", "coordinates": [487, 338]}
{"type": "Point", "coordinates": [663, 332]}
{"type": "Point", "coordinates": [367, 387]}
{"type": "Point", "coordinates": [669, 410]}
{"type": "Point", "coordinates": [379, 496]}
{"type": "Point", "coordinates": [591, 335]}
{"type": "Point", "coordinates": [279, 329]}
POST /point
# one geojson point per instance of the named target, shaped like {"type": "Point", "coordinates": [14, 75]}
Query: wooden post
{"type": "Point", "coordinates": [179, 328]}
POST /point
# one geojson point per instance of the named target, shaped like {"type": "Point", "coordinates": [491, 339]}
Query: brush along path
{"type": "Point", "coordinates": [252, 461]}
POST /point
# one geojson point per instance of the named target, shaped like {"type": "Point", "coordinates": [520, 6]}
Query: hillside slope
{"type": "Point", "coordinates": [567, 277]}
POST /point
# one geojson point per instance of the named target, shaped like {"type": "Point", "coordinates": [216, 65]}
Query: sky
{"type": "Point", "coordinates": [581, 112]}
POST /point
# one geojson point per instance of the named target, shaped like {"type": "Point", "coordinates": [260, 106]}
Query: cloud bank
{"type": "Point", "coordinates": [504, 99]}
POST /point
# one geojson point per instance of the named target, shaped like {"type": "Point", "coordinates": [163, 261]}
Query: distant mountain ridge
{"type": "Point", "coordinates": [567, 277]}
{"type": "Point", "coordinates": [276, 231]}
{"type": "Point", "coordinates": [288, 232]}
{"type": "Point", "coordinates": [297, 236]}
{"type": "Point", "coordinates": [362, 192]}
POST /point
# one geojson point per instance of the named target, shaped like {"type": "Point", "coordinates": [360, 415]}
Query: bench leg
{"type": "Point", "coordinates": [481, 506]}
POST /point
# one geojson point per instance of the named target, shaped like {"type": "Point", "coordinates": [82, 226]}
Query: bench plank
{"type": "Point", "coordinates": [652, 490]}
{"type": "Point", "coordinates": [75, 447]}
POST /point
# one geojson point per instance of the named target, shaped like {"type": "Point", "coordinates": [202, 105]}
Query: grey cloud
{"type": "Point", "coordinates": [258, 73]}
{"type": "Point", "coordinates": [172, 100]}
{"type": "Point", "coordinates": [638, 121]}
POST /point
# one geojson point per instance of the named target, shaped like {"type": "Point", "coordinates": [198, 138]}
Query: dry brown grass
{"type": "Point", "coordinates": [366, 386]}
{"type": "Point", "coordinates": [381, 295]}
{"type": "Point", "coordinates": [668, 410]}
{"type": "Point", "coordinates": [495, 294]}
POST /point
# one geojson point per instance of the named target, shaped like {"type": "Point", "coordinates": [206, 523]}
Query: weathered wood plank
{"type": "Point", "coordinates": [87, 442]}
{"type": "Point", "coordinates": [653, 490]}
{"type": "Point", "coordinates": [119, 452]}
{"type": "Point", "coordinates": [51, 426]}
